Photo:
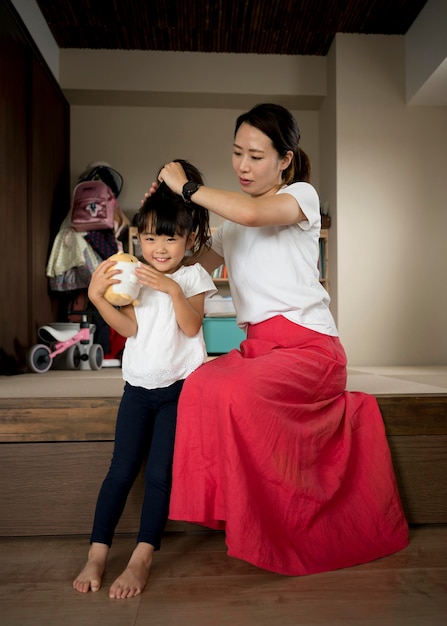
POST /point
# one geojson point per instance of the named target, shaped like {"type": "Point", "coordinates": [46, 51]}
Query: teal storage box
{"type": "Point", "coordinates": [221, 334]}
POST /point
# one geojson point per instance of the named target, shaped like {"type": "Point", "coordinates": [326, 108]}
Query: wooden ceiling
{"type": "Point", "coordinates": [292, 27]}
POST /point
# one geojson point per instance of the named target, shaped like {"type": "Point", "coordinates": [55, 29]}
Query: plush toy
{"type": "Point", "coordinates": [125, 292]}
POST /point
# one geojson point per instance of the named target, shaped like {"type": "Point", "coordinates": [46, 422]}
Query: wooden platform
{"type": "Point", "coordinates": [57, 430]}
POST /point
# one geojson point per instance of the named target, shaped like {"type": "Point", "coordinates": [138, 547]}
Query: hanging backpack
{"type": "Point", "coordinates": [93, 206]}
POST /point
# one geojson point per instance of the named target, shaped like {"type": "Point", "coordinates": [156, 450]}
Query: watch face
{"type": "Point", "coordinates": [188, 189]}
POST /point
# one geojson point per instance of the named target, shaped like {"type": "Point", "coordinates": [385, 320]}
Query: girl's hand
{"type": "Point", "coordinates": [174, 176]}
{"type": "Point", "coordinates": [188, 311]}
{"type": "Point", "coordinates": [102, 278]}
{"type": "Point", "coordinates": [149, 276]}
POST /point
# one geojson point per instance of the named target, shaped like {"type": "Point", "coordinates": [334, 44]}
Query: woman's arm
{"type": "Point", "coordinates": [271, 210]}
{"type": "Point", "coordinates": [274, 210]}
{"type": "Point", "coordinates": [208, 259]}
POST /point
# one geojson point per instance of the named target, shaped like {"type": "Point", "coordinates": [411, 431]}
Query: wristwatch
{"type": "Point", "coordinates": [189, 189]}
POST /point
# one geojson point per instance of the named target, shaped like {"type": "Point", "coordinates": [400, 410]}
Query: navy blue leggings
{"type": "Point", "coordinates": [145, 430]}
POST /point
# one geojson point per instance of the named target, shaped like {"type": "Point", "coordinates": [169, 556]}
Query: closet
{"type": "Point", "coordinates": [34, 186]}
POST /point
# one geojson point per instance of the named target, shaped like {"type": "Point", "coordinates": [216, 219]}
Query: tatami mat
{"type": "Point", "coordinates": [107, 382]}
{"type": "Point", "coordinates": [408, 380]}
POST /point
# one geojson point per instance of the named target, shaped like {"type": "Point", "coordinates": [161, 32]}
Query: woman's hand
{"type": "Point", "coordinates": [174, 176]}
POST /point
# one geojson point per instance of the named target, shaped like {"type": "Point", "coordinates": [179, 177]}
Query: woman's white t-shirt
{"type": "Point", "coordinates": [160, 353]}
{"type": "Point", "coordinates": [273, 270]}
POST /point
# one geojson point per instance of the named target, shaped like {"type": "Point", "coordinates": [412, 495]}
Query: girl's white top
{"type": "Point", "coordinates": [273, 270]}
{"type": "Point", "coordinates": [160, 353]}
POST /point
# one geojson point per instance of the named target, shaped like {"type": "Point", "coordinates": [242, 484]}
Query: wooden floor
{"type": "Point", "coordinates": [194, 583]}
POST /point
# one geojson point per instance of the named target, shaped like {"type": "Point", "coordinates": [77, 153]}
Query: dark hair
{"type": "Point", "coordinates": [281, 127]}
{"type": "Point", "coordinates": [168, 213]}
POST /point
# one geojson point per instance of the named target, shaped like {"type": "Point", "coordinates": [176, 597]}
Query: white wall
{"type": "Point", "coordinates": [137, 141]}
{"type": "Point", "coordinates": [391, 210]}
{"type": "Point", "coordinates": [136, 110]}
{"type": "Point", "coordinates": [192, 72]}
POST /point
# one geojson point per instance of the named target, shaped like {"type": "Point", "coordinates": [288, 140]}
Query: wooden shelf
{"type": "Point", "coordinates": [133, 233]}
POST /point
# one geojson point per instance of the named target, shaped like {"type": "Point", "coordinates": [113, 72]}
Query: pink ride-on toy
{"type": "Point", "coordinates": [69, 346]}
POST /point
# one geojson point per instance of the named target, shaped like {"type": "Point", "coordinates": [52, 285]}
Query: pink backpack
{"type": "Point", "coordinates": [92, 206]}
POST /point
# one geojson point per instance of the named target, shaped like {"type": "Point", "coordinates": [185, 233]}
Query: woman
{"type": "Point", "coordinates": [270, 446]}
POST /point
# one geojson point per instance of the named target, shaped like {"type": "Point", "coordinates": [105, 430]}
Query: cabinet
{"type": "Point", "coordinates": [34, 183]}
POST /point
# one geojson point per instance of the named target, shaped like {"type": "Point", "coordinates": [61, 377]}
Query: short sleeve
{"type": "Point", "coordinates": [198, 281]}
{"type": "Point", "coordinates": [307, 197]}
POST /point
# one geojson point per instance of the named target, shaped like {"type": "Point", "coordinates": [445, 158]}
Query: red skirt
{"type": "Point", "coordinates": [271, 448]}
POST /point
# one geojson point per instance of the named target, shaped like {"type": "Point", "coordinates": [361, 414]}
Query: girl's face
{"type": "Point", "coordinates": [164, 253]}
{"type": "Point", "coordinates": [256, 163]}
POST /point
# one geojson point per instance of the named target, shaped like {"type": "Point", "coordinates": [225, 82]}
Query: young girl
{"type": "Point", "coordinates": [164, 345]}
{"type": "Point", "coordinates": [294, 467]}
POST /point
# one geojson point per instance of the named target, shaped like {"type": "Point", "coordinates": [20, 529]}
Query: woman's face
{"type": "Point", "coordinates": [256, 163]}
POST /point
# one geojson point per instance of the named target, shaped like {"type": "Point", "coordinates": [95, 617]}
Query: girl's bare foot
{"type": "Point", "coordinates": [134, 578]}
{"type": "Point", "coordinates": [91, 576]}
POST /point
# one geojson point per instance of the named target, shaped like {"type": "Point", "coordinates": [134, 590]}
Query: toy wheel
{"type": "Point", "coordinates": [95, 356]}
{"type": "Point", "coordinates": [73, 358]}
{"type": "Point", "coordinates": [38, 359]}
{"type": "Point", "coordinates": [68, 360]}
